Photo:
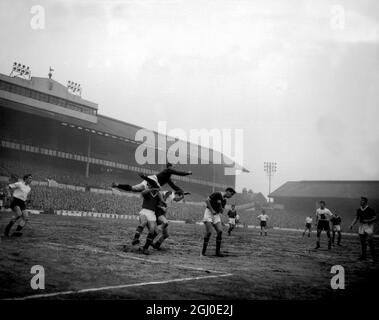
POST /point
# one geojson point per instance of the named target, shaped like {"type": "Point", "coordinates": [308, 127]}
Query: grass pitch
{"type": "Point", "coordinates": [83, 258]}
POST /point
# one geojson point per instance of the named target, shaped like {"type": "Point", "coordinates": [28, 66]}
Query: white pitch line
{"type": "Point", "coordinates": [61, 293]}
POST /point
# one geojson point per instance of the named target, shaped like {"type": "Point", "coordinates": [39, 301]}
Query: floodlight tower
{"type": "Point", "coordinates": [50, 74]}
{"type": "Point", "coordinates": [74, 88]}
{"type": "Point", "coordinates": [270, 169]}
{"type": "Point", "coordinates": [21, 71]}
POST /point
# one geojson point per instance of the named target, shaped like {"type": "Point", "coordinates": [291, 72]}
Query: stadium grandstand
{"type": "Point", "coordinates": [48, 130]}
{"type": "Point", "coordinates": [301, 198]}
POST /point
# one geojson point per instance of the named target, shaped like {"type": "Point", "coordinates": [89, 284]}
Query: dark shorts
{"type": "Point", "coordinates": [16, 202]}
{"type": "Point", "coordinates": [159, 212]}
{"type": "Point", "coordinates": [323, 225]}
{"type": "Point", "coordinates": [263, 223]}
{"type": "Point", "coordinates": [308, 225]}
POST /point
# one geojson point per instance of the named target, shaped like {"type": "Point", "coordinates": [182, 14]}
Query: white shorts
{"type": "Point", "coordinates": [337, 228]}
{"type": "Point", "coordinates": [143, 185]}
{"type": "Point", "coordinates": [232, 221]}
{"type": "Point", "coordinates": [367, 228]}
{"type": "Point", "coordinates": [209, 217]}
{"type": "Point", "coordinates": [148, 214]}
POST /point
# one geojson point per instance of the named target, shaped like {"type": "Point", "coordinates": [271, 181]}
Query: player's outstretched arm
{"type": "Point", "coordinates": [370, 220]}
{"type": "Point", "coordinates": [161, 198]}
{"type": "Point", "coordinates": [174, 186]}
{"type": "Point", "coordinates": [179, 173]}
{"type": "Point", "coordinates": [178, 196]}
{"type": "Point", "coordinates": [125, 187]}
{"type": "Point", "coordinates": [12, 186]}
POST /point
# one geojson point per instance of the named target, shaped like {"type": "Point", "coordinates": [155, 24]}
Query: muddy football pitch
{"type": "Point", "coordinates": [85, 258]}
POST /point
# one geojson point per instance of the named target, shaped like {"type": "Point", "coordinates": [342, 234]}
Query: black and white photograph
{"type": "Point", "coordinates": [187, 156]}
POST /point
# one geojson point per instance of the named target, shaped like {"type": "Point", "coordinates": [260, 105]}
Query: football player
{"type": "Point", "coordinates": [308, 226]}
{"type": "Point", "coordinates": [212, 218]}
{"type": "Point", "coordinates": [263, 217]}
{"type": "Point", "coordinates": [366, 217]}
{"type": "Point", "coordinates": [160, 212]}
{"type": "Point", "coordinates": [336, 228]}
{"type": "Point", "coordinates": [322, 221]}
{"type": "Point", "coordinates": [232, 214]}
{"type": "Point", "coordinates": [147, 218]}
{"type": "Point", "coordinates": [156, 181]}
{"type": "Point", "coordinates": [21, 190]}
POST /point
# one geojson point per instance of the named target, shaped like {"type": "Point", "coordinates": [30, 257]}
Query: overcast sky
{"type": "Point", "coordinates": [300, 78]}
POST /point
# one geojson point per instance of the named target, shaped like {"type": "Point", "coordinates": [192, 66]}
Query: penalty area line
{"type": "Point", "coordinates": [61, 293]}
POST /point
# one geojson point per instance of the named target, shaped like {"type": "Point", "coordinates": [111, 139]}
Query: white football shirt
{"type": "Point", "coordinates": [21, 190]}
{"type": "Point", "coordinates": [263, 217]}
{"type": "Point", "coordinates": [323, 214]}
{"type": "Point", "coordinates": [308, 220]}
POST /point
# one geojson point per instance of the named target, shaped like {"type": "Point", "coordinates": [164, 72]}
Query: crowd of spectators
{"type": "Point", "coordinates": [46, 171]}
{"type": "Point", "coordinates": [43, 171]}
{"type": "Point", "coordinates": [40, 171]}
{"type": "Point", "coordinates": [51, 198]}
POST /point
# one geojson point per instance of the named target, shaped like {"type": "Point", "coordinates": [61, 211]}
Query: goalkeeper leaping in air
{"type": "Point", "coordinates": [157, 181]}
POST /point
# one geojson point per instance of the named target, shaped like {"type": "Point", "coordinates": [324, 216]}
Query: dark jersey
{"type": "Point", "coordinates": [161, 209]}
{"type": "Point", "coordinates": [336, 221]}
{"type": "Point", "coordinates": [165, 175]}
{"type": "Point", "coordinates": [217, 201]}
{"type": "Point", "coordinates": [232, 214]}
{"type": "Point", "coordinates": [366, 214]}
{"type": "Point", "coordinates": [150, 202]}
